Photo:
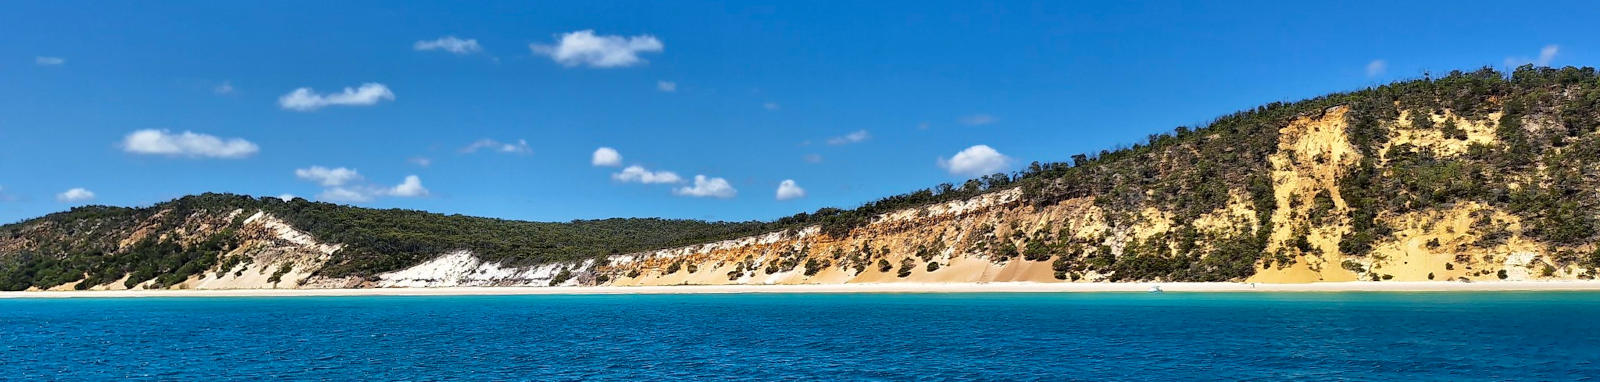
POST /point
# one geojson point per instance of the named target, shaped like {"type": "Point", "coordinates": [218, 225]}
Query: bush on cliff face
{"type": "Point", "coordinates": [562, 277]}
{"type": "Point", "coordinates": [905, 267]}
{"type": "Point", "coordinates": [1037, 250]}
{"type": "Point", "coordinates": [277, 276]}
{"type": "Point", "coordinates": [813, 266]}
{"type": "Point", "coordinates": [1006, 250]}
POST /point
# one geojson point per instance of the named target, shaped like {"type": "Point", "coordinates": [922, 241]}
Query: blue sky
{"type": "Point", "coordinates": [848, 102]}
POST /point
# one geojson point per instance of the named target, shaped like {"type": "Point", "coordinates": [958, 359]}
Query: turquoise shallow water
{"type": "Point", "coordinates": [1085, 336]}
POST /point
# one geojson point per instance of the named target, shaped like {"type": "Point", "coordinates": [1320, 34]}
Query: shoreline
{"type": "Point", "coordinates": [1008, 287]}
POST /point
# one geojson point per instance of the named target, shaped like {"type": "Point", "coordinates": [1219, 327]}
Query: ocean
{"type": "Point", "coordinates": [822, 337]}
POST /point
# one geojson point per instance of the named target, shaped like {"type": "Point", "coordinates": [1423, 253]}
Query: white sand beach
{"type": "Point", "coordinates": [1020, 287]}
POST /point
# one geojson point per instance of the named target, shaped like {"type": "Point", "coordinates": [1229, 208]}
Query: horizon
{"type": "Point", "coordinates": [504, 112]}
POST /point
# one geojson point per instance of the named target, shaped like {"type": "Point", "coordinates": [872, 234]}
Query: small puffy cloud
{"type": "Point", "coordinates": [450, 44]}
{"type": "Point", "coordinates": [606, 156]}
{"type": "Point", "coordinates": [344, 195]}
{"type": "Point", "coordinates": [287, 197]}
{"type": "Point", "coordinates": [812, 158]}
{"type": "Point", "coordinates": [638, 174]}
{"type": "Point", "coordinates": [667, 86]}
{"type": "Point", "coordinates": [1546, 55]}
{"type": "Point", "coordinates": [48, 61]}
{"type": "Point", "coordinates": [975, 160]}
{"type": "Point", "coordinates": [226, 87]}
{"type": "Point", "coordinates": [597, 51]}
{"type": "Point", "coordinates": [521, 147]}
{"type": "Point", "coordinates": [770, 106]}
{"type": "Point", "coordinates": [708, 187]}
{"type": "Point", "coordinates": [788, 189]}
{"type": "Point", "coordinates": [305, 99]}
{"type": "Point", "coordinates": [977, 120]}
{"type": "Point", "coordinates": [1377, 68]}
{"type": "Point", "coordinates": [75, 195]}
{"type": "Point", "coordinates": [328, 177]}
{"type": "Point", "coordinates": [186, 144]}
{"type": "Point", "coordinates": [854, 137]}
{"type": "Point", "coordinates": [420, 161]}
{"type": "Point", "coordinates": [411, 187]}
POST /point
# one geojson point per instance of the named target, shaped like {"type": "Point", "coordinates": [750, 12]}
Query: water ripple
{"type": "Point", "coordinates": [1176, 336]}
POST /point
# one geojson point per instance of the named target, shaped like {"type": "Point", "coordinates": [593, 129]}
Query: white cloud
{"type": "Point", "coordinates": [639, 174]}
{"type": "Point", "coordinates": [770, 106]}
{"type": "Point", "coordinates": [585, 48]}
{"type": "Point", "coordinates": [854, 137]}
{"type": "Point", "coordinates": [328, 177]}
{"type": "Point", "coordinates": [225, 88]}
{"type": "Point", "coordinates": [305, 99]}
{"type": "Point", "coordinates": [667, 86]}
{"type": "Point", "coordinates": [606, 156]}
{"type": "Point", "coordinates": [346, 195]}
{"type": "Point", "coordinates": [1546, 55]}
{"type": "Point", "coordinates": [48, 61]}
{"type": "Point", "coordinates": [411, 187]}
{"type": "Point", "coordinates": [420, 161]}
{"type": "Point", "coordinates": [708, 187]}
{"type": "Point", "coordinates": [1377, 68]}
{"type": "Point", "coordinates": [186, 144]}
{"type": "Point", "coordinates": [75, 195]}
{"type": "Point", "coordinates": [975, 160]}
{"type": "Point", "coordinates": [812, 158]}
{"type": "Point", "coordinates": [449, 44]}
{"type": "Point", "coordinates": [521, 147]}
{"type": "Point", "coordinates": [788, 189]}
{"type": "Point", "coordinates": [977, 120]}
{"type": "Point", "coordinates": [287, 197]}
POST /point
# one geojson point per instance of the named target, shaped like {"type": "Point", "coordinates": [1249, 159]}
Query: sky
{"type": "Point", "coordinates": [742, 110]}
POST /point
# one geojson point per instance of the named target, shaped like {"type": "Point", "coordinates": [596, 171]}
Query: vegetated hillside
{"type": "Point", "coordinates": [1474, 176]}
{"type": "Point", "coordinates": [171, 242]}
{"type": "Point", "coordinates": [1477, 176]}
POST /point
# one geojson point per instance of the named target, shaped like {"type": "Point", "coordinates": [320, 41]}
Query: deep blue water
{"type": "Point", "coordinates": [1084, 336]}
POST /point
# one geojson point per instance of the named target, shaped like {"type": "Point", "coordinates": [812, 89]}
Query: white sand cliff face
{"type": "Point", "coordinates": [461, 268]}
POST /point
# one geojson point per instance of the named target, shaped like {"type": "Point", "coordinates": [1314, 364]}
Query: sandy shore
{"type": "Point", "coordinates": [1358, 286]}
